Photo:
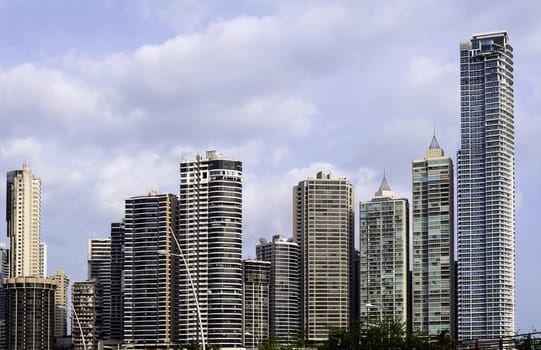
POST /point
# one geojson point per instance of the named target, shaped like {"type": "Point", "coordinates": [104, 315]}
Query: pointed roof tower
{"type": "Point", "coordinates": [434, 150]}
{"type": "Point", "coordinates": [434, 144]}
{"type": "Point", "coordinates": [384, 189]}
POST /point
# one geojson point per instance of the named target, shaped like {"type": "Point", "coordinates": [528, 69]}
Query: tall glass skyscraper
{"type": "Point", "coordinates": [285, 289]}
{"type": "Point", "coordinates": [384, 256]}
{"type": "Point", "coordinates": [486, 189]}
{"type": "Point", "coordinates": [433, 244]}
{"type": "Point", "coordinates": [210, 235]}
{"type": "Point", "coordinates": [149, 276]}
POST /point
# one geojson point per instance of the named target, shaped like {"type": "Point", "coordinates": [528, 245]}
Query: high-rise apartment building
{"type": "Point", "coordinates": [23, 216]}
{"type": "Point", "coordinates": [323, 227]}
{"type": "Point", "coordinates": [117, 265]}
{"type": "Point", "coordinates": [4, 273]}
{"type": "Point", "coordinates": [384, 256]}
{"type": "Point", "coordinates": [256, 302]}
{"type": "Point", "coordinates": [433, 242]}
{"type": "Point", "coordinates": [61, 303]}
{"type": "Point", "coordinates": [30, 313]}
{"type": "Point", "coordinates": [486, 189]}
{"type": "Point", "coordinates": [285, 286]}
{"type": "Point", "coordinates": [210, 234]}
{"type": "Point", "coordinates": [150, 269]}
{"type": "Point", "coordinates": [84, 322]}
{"type": "Point", "coordinates": [99, 270]}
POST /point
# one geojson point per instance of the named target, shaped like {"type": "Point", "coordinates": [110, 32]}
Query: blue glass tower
{"type": "Point", "coordinates": [486, 189]}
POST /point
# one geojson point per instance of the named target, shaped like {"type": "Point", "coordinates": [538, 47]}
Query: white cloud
{"type": "Point", "coordinates": [26, 148]}
{"type": "Point", "coordinates": [127, 175]}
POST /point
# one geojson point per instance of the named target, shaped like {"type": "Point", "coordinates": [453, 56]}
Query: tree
{"type": "Point", "coordinates": [382, 335]}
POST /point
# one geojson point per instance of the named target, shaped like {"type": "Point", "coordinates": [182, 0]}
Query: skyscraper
{"type": "Point", "coordinates": [117, 265]}
{"type": "Point", "coordinates": [210, 234]}
{"type": "Point", "coordinates": [23, 216]}
{"type": "Point", "coordinates": [285, 286]}
{"type": "Point", "coordinates": [84, 322]}
{"type": "Point", "coordinates": [150, 263]}
{"type": "Point", "coordinates": [61, 303]}
{"type": "Point", "coordinates": [323, 227]}
{"type": "Point", "coordinates": [4, 273]}
{"type": "Point", "coordinates": [433, 242]}
{"type": "Point", "coordinates": [486, 189]}
{"type": "Point", "coordinates": [255, 302]}
{"type": "Point", "coordinates": [99, 271]}
{"type": "Point", "coordinates": [384, 260]}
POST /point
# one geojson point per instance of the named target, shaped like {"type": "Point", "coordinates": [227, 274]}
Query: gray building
{"type": "Point", "coordinates": [384, 256]}
{"type": "Point", "coordinates": [99, 270]}
{"type": "Point", "coordinates": [117, 265]}
{"type": "Point", "coordinates": [486, 189]}
{"type": "Point", "coordinates": [285, 286]}
{"type": "Point", "coordinates": [150, 268]}
{"type": "Point", "coordinates": [323, 227]}
{"type": "Point", "coordinates": [4, 273]}
{"type": "Point", "coordinates": [255, 302]}
{"type": "Point", "coordinates": [84, 317]}
{"type": "Point", "coordinates": [30, 313]}
{"type": "Point", "coordinates": [433, 242]}
{"type": "Point", "coordinates": [210, 234]}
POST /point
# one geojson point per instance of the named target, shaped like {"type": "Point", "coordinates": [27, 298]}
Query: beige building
{"type": "Point", "coordinates": [23, 216]}
{"type": "Point", "coordinates": [323, 227]}
{"type": "Point", "coordinates": [61, 303]}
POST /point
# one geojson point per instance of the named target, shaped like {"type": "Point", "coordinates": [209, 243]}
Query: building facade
{"type": "Point", "coordinates": [150, 268]}
{"type": "Point", "coordinates": [384, 256]}
{"type": "Point", "coordinates": [30, 313]}
{"type": "Point", "coordinates": [23, 216]}
{"type": "Point", "coordinates": [323, 227]}
{"type": "Point", "coordinates": [117, 266]}
{"type": "Point", "coordinates": [486, 189]}
{"type": "Point", "coordinates": [210, 235]}
{"type": "Point", "coordinates": [4, 273]}
{"type": "Point", "coordinates": [99, 270]}
{"type": "Point", "coordinates": [256, 297]}
{"type": "Point", "coordinates": [61, 303]}
{"type": "Point", "coordinates": [433, 279]}
{"type": "Point", "coordinates": [84, 321]}
{"type": "Point", "coordinates": [285, 286]}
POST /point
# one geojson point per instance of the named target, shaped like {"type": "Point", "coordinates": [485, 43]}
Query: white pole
{"type": "Point", "coordinates": [193, 289]}
{"type": "Point", "coordinates": [79, 323]}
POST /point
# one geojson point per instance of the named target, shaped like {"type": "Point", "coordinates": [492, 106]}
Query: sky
{"type": "Point", "coordinates": [103, 98]}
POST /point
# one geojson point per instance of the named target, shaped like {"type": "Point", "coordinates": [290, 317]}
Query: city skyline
{"type": "Point", "coordinates": [347, 103]}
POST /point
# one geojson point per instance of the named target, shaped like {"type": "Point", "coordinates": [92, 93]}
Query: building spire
{"type": "Point", "coordinates": [384, 189]}
{"type": "Point", "coordinates": [434, 150]}
{"type": "Point", "coordinates": [434, 144]}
